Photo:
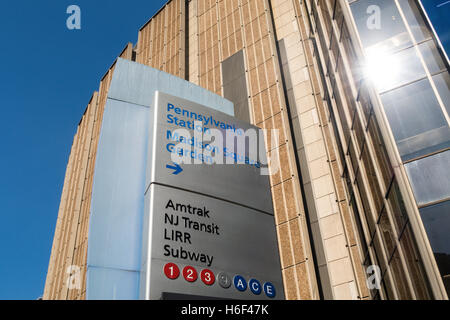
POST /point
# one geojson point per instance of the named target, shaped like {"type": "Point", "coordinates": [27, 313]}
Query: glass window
{"type": "Point", "coordinates": [335, 49]}
{"type": "Point", "coordinates": [389, 71]}
{"type": "Point", "coordinates": [436, 219]}
{"type": "Point", "coordinates": [387, 233]}
{"type": "Point", "coordinates": [372, 181]}
{"type": "Point", "coordinates": [348, 93]}
{"type": "Point", "coordinates": [398, 273]}
{"type": "Point", "coordinates": [359, 131]}
{"type": "Point", "coordinates": [414, 264]}
{"type": "Point", "coordinates": [442, 82]}
{"type": "Point", "coordinates": [323, 44]}
{"type": "Point", "coordinates": [340, 108]}
{"type": "Point", "coordinates": [380, 25]}
{"type": "Point", "coordinates": [380, 151]}
{"type": "Point", "coordinates": [353, 60]}
{"type": "Point", "coordinates": [338, 15]}
{"type": "Point", "coordinates": [326, 16]}
{"type": "Point", "coordinates": [364, 100]}
{"type": "Point", "coordinates": [388, 286]}
{"type": "Point", "coordinates": [432, 57]}
{"type": "Point", "coordinates": [336, 133]}
{"type": "Point", "coordinates": [362, 238]}
{"type": "Point", "coordinates": [353, 157]}
{"type": "Point", "coordinates": [397, 206]}
{"type": "Point", "coordinates": [376, 245]}
{"type": "Point", "coordinates": [348, 182]}
{"type": "Point", "coordinates": [375, 293]}
{"type": "Point", "coordinates": [430, 178]}
{"type": "Point", "coordinates": [415, 20]}
{"type": "Point", "coordinates": [365, 202]}
{"type": "Point", "coordinates": [416, 120]}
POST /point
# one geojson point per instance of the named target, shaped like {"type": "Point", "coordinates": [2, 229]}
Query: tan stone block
{"type": "Point", "coordinates": [253, 9]}
{"type": "Point", "coordinates": [257, 111]}
{"type": "Point", "coordinates": [290, 200]}
{"type": "Point", "coordinates": [302, 89]}
{"type": "Point", "coordinates": [290, 284]}
{"type": "Point", "coordinates": [348, 223]}
{"type": "Point", "coordinates": [255, 29]}
{"type": "Point", "coordinates": [246, 13]}
{"type": "Point", "coordinates": [267, 49]}
{"type": "Point", "coordinates": [265, 100]}
{"type": "Point", "coordinates": [297, 134]}
{"type": "Point", "coordinates": [271, 73]}
{"type": "Point", "coordinates": [285, 19]}
{"type": "Point", "coordinates": [275, 98]}
{"type": "Point", "coordinates": [323, 186]}
{"type": "Point", "coordinates": [285, 245]}
{"type": "Point", "coordinates": [345, 291]}
{"type": "Point", "coordinates": [279, 124]}
{"type": "Point", "coordinates": [331, 226]}
{"type": "Point", "coordinates": [340, 190]}
{"type": "Point", "coordinates": [259, 52]}
{"type": "Point", "coordinates": [275, 172]}
{"type": "Point", "coordinates": [293, 40]}
{"type": "Point", "coordinates": [263, 84]}
{"type": "Point", "coordinates": [304, 103]}
{"type": "Point", "coordinates": [251, 58]}
{"type": "Point", "coordinates": [278, 204]}
{"type": "Point", "coordinates": [308, 118]}
{"type": "Point", "coordinates": [299, 76]}
{"type": "Point", "coordinates": [341, 271]}
{"type": "Point", "coordinates": [263, 25]}
{"type": "Point", "coordinates": [296, 63]}
{"type": "Point", "coordinates": [311, 134]}
{"type": "Point", "coordinates": [315, 150]}
{"type": "Point", "coordinates": [254, 83]}
{"type": "Point", "coordinates": [329, 143]}
{"type": "Point", "coordinates": [336, 247]}
{"type": "Point", "coordinates": [297, 241]}
{"type": "Point", "coordinates": [360, 272]}
{"type": "Point", "coordinates": [281, 7]}
{"type": "Point", "coordinates": [303, 281]}
{"type": "Point", "coordinates": [319, 168]}
{"type": "Point", "coordinates": [285, 164]}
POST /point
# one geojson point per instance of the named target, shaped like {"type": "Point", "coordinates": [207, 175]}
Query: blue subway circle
{"type": "Point", "coordinates": [240, 283]}
{"type": "Point", "coordinates": [255, 286]}
{"type": "Point", "coordinates": [269, 290]}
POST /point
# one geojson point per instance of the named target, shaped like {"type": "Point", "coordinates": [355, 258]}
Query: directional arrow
{"type": "Point", "coordinates": [175, 167]}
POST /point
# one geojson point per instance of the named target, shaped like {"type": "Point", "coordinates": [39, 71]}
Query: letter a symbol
{"type": "Point", "coordinates": [74, 20]}
{"type": "Point", "coordinates": [374, 21]}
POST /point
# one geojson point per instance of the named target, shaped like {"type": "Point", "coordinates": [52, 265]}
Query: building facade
{"type": "Point", "coordinates": [359, 93]}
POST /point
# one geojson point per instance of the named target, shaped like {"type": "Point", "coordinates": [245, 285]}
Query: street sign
{"type": "Point", "coordinates": [174, 133]}
{"type": "Point", "coordinates": [209, 228]}
{"type": "Point", "coordinates": [212, 238]}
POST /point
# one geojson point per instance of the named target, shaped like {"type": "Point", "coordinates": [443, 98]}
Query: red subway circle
{"type": "Point", "coordinates": [190, 274]}
{"type": "Point", "coordinates": [171, 270]}
{"type": "Point", "coordinates": [207, 277]}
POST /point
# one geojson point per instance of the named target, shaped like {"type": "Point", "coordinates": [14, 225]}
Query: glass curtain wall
{"type": "Point", "coordinates": [372, 190]}
{"type": "Point", "coordinates": [410, 72]}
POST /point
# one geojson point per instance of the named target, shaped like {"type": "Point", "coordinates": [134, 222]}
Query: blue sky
{"type": "Point", "coordinates": [439, 13]}
{"type": "Point", "coordinates": [47, 76]}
